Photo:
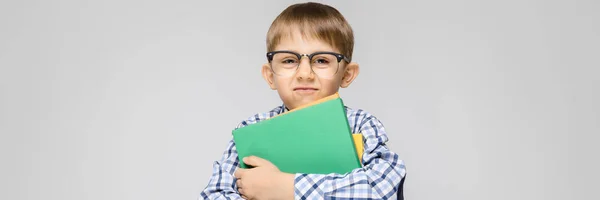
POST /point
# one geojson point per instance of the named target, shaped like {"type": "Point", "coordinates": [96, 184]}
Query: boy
{"type": "Point", "coordinates": [309, 57]}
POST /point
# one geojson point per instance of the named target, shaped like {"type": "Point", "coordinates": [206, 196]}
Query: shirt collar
{"type": "Point", "coordinates": [283, 109]}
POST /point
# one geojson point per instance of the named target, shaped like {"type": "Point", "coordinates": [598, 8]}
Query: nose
{"type": "Point", "coordinates": [305, 69]}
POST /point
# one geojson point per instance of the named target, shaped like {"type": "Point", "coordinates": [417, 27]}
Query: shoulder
{"type": "Point", "coordinates": [360, 120]}
{"type": "Point", "coordinates": [253, 119]}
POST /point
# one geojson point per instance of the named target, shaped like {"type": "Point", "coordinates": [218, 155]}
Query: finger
{"type": "Point", "coordinates": [239, 172]}
{"type": "Point", "coordinates": [243, 193]}
{"type": "Point", "coordinates": [239, 183]}
{"type": "Point", "coordinates": [256, 161]}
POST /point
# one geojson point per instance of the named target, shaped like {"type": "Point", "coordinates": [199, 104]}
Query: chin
{"type": "Point", "coordinates": [307, 100]}
{"type": "Point", "coordinates": [297, 100]}
{"type": "Point", "coordinates": [297, 103]}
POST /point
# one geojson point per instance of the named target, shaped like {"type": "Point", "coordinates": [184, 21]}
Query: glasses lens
{"type": "Point", "coordinates": [324, 65]}
{"type": "Point", "coordinates": [284, 63]}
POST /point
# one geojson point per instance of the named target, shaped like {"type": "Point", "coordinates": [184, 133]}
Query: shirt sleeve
{"type": "Point", "coordinates": [221, 184]}
{"type": "Point", "coordinates": [379, 178]}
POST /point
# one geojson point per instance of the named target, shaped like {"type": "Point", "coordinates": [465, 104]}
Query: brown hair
{"type": "Point", "coordinates": [320, 21]}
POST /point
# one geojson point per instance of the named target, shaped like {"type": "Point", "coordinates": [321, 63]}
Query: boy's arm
{"type": "Point", "coordinates": [379, 178]}
{"type": "Point", "coordinates": [222, 183]}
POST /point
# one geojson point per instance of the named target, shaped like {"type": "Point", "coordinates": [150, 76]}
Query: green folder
{"type": "Point", "coordinates": [315, 139]}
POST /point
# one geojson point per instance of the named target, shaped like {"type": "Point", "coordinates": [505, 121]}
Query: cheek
{"type": "Point", "coordinates": [281, 81]}
{"type": "Point", "coordinates": [330, 84]}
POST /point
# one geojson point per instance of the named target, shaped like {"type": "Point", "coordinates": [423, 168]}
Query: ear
{"type": "Point", "coordinates": [268, 75]}
{"type": "Point", "coordinates": [350, 73]}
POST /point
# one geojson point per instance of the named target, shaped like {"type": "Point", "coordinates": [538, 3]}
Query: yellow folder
{"type": "Point", "coordinates": [358, 142]}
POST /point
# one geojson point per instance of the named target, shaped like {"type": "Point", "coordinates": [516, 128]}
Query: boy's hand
{"type": "Point", "coordinates": [264, 181]}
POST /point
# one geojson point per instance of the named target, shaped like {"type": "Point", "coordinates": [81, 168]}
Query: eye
{"type": "Point", "coordinates": [322, 61]}
{"type": "Point", "coordinates": [288, 61]}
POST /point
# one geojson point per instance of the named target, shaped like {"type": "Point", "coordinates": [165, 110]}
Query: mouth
{"type": "Point", "coordinates": [305, 89]}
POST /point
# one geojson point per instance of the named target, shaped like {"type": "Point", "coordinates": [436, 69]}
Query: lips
{"type": "Point", "coordinates": [305, 89]}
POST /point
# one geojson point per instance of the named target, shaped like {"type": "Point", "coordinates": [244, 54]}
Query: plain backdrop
{"type": "Point", "coordinates": [134, 99]}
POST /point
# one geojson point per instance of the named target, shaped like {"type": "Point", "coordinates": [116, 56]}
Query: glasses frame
{"type": "Point", "coordinates": [339, 57]}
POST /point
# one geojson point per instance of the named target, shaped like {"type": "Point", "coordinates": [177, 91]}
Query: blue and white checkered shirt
{"type": "Point", "coordinates": [379, 178]}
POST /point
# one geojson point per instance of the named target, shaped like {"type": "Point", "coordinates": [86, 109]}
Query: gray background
{"type": "Point", "coordinates": [136, 99]}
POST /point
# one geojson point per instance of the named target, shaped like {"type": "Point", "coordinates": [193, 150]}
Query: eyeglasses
{"type": "Point", "coordinates": [323, 64]}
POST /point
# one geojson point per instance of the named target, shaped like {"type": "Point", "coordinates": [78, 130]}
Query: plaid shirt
{"type": "Point", "coordinates": [379, 178]}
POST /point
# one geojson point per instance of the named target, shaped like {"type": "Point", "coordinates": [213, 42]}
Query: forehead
{"type": "Point", "coordinates": [302, 42]}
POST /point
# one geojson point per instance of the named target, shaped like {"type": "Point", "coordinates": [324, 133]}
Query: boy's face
{"type": "Point", "coordinates": [304, 86]}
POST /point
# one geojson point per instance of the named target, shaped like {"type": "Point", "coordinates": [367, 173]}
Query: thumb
{"type": "Point", "coordinates": [256, 161]}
